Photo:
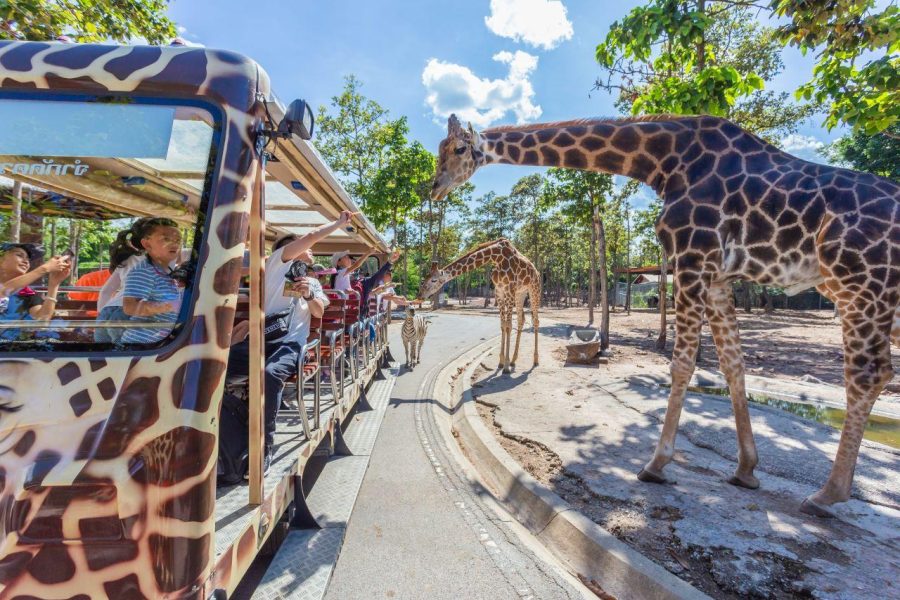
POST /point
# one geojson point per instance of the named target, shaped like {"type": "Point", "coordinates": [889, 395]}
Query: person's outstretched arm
{"type": "Point", "coordinates": [305, 242]}
{"type": "Point", "coordinates": [360, 261]}
{"type": "Point", "coordinates": [54, 265]}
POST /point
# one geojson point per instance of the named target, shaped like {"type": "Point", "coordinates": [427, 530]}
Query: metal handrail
{"type": "Point", "coordinates": [64, 324]}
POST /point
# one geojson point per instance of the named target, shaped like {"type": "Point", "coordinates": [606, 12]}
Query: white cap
{"type": "Point", "coordinates": [338, 256]}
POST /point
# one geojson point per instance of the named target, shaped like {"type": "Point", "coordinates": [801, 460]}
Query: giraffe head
{"type": "Point", "coordinates": [459, 155]}
{"type": "Point", "coordinates": [436, 280]}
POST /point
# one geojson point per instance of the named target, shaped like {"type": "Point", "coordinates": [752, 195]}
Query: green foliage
{"type": "Point", "coordinates": [879, 153]}
{"type": "Point", "coordinates": [399, 186]}
{"type": "Point", "coordinates": [578, 192]}
{"type": "Point", "coordinates": [699, 58]}
{"type": "Point", "coordinates": [858, 88]}
{"type": "Point", "coordinates": [358, 139]}
{"type": "Point", "coordinates": [86, 20]}
{"type": "Point", "coordinates": [663, 52]}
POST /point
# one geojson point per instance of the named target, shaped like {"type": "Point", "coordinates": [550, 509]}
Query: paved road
{"type": "Point", "coordinates": [419, 529]}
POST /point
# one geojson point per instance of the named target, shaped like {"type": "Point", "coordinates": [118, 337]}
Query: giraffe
{"type": "Point", "coordinates": [514, 278]}
{"type": "Point", "coordinates": [735, 207]}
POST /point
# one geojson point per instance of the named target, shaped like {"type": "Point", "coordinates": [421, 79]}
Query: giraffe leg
{"type": "Point", "coordinates": [688, 319]}
{"type": "Point", "coordinates": [520, 324]}
{"type": "Point", "coordinates": [506, 309]}
{"type": "Point", "coordinates": [867, 368]}
{"type": "Point", "coordinates": [535, 295]}
{"type": "Point", "coordinates": [723, 323]}
{"type": "Point", "coordinates": [895, 328]}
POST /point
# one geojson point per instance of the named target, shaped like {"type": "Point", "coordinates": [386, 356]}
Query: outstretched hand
{"type": "Point", "coordinates": [394, 256]}
{"type": "Point", "coordinates": [346, 216]}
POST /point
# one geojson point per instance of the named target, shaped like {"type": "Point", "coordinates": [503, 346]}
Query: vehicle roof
{"type": "Point", "coordinates": [302, 192]}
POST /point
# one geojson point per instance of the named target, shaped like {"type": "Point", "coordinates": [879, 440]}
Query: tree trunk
{"type": "Point", "coordinates": [628, 257]}
{"type": "Point", "coordinates": [73, 246]}
{"type": "Point", "coordinates": [628, 292]}
{"type": "Point", "coordinates": [15, 225]}
{"type": "Point", "coordinates": [661, 340]}
{"type": "Point", "coordinates": [592, 289]}
{"type": "Point", "coordinates": [767, 300]}
{"type": "Point", "coordinates": [604, 286]}
{"type": "Point", "coordinates": [52, 238]}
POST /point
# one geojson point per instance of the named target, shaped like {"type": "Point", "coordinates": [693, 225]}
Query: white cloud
{"type": "Point", "coordinates": [541, 23]}
{"type": "Point", "coordinates": [453, 88]}
{"type": "Point", "coordinates": [804, 146]}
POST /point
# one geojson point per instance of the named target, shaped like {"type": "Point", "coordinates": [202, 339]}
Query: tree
{"type": "Point", "coordinates": [857, 73]}
{"type": "Point", "coordinates": [583, 195]}
{"type": "Point", "coordinates": [86, 20]}
{"type": "Point", "coordinates": [698, 57]}
{"type": "Point", "coordinates": [359, 139]}
{"type": "Point", "coordinates": [879, 153]}
{"type": "Point", "coordinates": [527, 194]}
{"type": "Point", "coordinates": [669, 58]}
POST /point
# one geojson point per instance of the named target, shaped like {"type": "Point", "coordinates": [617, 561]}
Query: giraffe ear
{"type": "Point", "coordinates": [454, 127]}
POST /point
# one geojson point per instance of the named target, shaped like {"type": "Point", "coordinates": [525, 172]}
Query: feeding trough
{"type": "Point", "coordinates": [583, 346]}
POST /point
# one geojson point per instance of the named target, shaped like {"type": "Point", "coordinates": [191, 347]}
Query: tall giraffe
{"type": "Point", "coordinates": [514, 278]}
{"type": "Point", "coordinates": [735, 207]}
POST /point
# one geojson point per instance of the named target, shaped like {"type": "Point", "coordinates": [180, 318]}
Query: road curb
{"type": "Point", "coordinates": [585, 547]}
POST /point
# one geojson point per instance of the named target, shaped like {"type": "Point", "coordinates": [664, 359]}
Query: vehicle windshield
{"type": "Point", "coordinates": [102, 205]}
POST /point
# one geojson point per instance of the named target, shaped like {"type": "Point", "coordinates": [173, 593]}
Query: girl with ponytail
{"type": "Point", "coordinates": [125, 252]}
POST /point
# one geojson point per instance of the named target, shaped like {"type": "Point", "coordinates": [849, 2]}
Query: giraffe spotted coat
{"type": "Point", "coordinates": [735, 207]}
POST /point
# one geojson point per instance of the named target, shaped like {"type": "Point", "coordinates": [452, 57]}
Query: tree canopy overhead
{"type": "Point", "coordinates": [699, 56]}
{"type": "Point", "coordinates": [86, 20]}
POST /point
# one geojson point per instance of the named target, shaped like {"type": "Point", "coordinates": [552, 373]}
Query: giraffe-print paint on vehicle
{"type": "Point", "coordinates": [735, 207]}
{"type": "Point", "coordinates": [108, 465]}
{"type": "Point", "coordinates": [514, 278]}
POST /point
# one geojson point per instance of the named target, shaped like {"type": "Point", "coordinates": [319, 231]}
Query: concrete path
{"type": "Point", "coordinates": [420, 528]}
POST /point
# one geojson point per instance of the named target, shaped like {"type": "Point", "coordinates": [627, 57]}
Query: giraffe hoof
{"type": "Point", "coordinates": [745, 481]}
{"type": "Point", "coordinates": [810, 507]}
{"type": "Point", "coordinates": [651, 477]}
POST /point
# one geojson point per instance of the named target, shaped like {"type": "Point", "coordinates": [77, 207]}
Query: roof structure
{"type": "Point", "coordinates": [302, 193]}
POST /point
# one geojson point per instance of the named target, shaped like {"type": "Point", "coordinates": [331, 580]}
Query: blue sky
{"type": "Point", "coordinates": [497, 61]}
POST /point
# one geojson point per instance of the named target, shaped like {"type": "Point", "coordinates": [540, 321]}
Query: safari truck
{"type": "Point", "coordinates": [108, 449]}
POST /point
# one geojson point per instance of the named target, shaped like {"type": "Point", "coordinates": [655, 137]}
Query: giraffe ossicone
{"type": "Point", "coordinates": [734, 207]}
{"type": "Point", "coordinates": [514, 279]}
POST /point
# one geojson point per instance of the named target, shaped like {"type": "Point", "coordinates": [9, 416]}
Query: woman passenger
{"type": "Point", "coordinates": [18, 302]}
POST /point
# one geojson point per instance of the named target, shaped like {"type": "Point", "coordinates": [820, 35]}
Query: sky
{"type": "Point", "coordinates": [492, 62]}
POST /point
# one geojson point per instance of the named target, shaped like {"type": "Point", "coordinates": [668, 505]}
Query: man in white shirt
{"type": "Point", "coordinates": [282, 356]}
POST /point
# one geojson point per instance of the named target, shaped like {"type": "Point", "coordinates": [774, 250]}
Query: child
{"type": "Point", "coordinates": [345, 267]}
{"type": "Point", "coordinates": [150, 294]}
{"type": "Point", "coordinates": [18, 302]}
{"type": "Point", "coordinates": [125, 253]}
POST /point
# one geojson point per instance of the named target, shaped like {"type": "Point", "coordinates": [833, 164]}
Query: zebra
{"type": "Point", "coordinates": [413, 335]}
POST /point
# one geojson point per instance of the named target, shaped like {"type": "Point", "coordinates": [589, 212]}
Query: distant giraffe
{"type": "Point", "coordinates": [514, 278]}
{"type": "Point", "coordinates": [735, 207]}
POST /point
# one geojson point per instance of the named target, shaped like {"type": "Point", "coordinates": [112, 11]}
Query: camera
{"type": "Point", "coordinates": [183, 274]}
{"type": "Point", "coordinates": [297, 271]}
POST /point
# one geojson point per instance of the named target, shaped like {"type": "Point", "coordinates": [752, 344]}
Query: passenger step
{"type": "Point", "coordinates": [302, 566]}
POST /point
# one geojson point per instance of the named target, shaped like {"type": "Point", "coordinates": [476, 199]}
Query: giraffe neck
{"type": "Point", "coordinates": [605, 145]}
{"type": "Point", "coordinates": [470, 261]}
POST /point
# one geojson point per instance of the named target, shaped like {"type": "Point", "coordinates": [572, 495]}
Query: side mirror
{"type": "Point", "coordinates": [298, 120]}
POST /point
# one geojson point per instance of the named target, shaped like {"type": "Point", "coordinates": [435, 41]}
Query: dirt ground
{"type": "Point", "coordinates": [585, 431]}
{"type": "Point", "coordinates": [793, 345]}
